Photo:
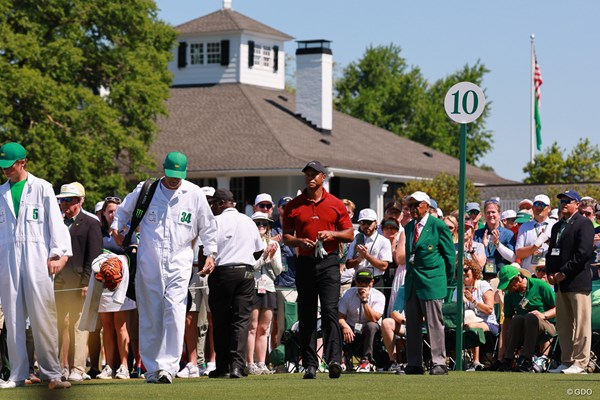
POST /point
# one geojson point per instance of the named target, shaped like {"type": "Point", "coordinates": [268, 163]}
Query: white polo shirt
{"type": "Point", "coordinates": [350, 305]}
{"type": "Point", "coordinates": [379, 247]}
{"type": "Point", "coordinates": [237, 238]}
{"type": "Point", "coordinates": [528, 233]}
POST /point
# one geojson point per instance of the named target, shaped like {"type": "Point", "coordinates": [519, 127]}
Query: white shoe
{"type": "Point", "coordinates": [210, 366]}
{"type": "Point", "coordinates": [11, 384]}
{"type": "Point", "coordinates": [558, 369]}
{"type": "Point", "coordinates": [107, 373]}
{"type": "Point", "coordinates": [189, 371]}
{"type": "Point", "coordinates": [164, 377]}
{"type": "Point", "coordinates": [122, 372]}
{"type": "Point", "coordinates": [253, 369]}
{"type": "Point", "coordinates": [574, 369]}
{"type": "Point", "coordinates": [75, 376]}
{"type": "Point", "coordinates": [365, 366]}
{"type": "Point", "coordinates": [65, 373]}
{"type": "Point", "coordinates": [264, 370]}
{"type": "Point", "coordinates": [56, 384]}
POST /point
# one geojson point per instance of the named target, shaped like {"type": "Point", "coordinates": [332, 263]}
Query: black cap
{"type": "Point", "coordinates": [222, 194]}
{"type": "Point", "coordinates": [316, 165]}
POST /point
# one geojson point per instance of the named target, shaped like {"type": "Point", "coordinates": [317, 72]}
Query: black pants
{"type": "Point", "coordinates": [319, 277]}
{"type": "Point", "coordinates": [230, 300]}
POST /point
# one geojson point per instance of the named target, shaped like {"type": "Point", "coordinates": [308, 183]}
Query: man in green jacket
{"type": "Point", "coordinates": [430, 260]}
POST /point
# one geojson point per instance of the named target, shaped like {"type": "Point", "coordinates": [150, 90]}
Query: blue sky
{"type": "Point", "coordinates": [441, 36]}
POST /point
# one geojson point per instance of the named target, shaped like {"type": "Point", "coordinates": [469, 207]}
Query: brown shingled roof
{"type": "Point", "coordinates": [228, 20]}
{"type": "Point", "coordinates": [233, 127]}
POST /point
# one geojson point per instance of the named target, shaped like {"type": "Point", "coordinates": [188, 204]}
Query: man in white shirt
{"type": "Point", "coordinates": [370, 249]}
{"type": "Point", "coordinates": [532, 246]}
{"type": "Point", "coordinates": [360, 311]}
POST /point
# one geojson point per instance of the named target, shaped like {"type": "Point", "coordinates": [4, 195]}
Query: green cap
{"type": "Point", "coordinates": [175, 165]}
{"type": "Point", "coordinates": [11, 152]}
{"type": "Point", "coordinates": [522, 217]}
{"type": "Point", "coordinates": [507, 273]}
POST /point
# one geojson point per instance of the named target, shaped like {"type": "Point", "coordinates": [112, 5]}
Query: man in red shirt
{"type": "Point", "coordinates": [315, 222]}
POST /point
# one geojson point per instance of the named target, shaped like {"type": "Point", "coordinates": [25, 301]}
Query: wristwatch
{"type": "Point", "coordinates": [213, 255]}
{"type": "Point", "coordinates": [363, 302]}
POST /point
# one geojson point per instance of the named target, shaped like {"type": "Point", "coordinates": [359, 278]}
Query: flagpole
{"type": "Point", "coordinates": [532, 117]}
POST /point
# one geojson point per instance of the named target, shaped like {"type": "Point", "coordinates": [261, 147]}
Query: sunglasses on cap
{"type": "Point", "coordinates": [492, 201]}
{"type": "Point", "coordinates": [540, 204]}
{"type": "Point", "coordinates": [113, 199]}
{"type": "Point", "coordinates": [267, 206]}
{"type": "Point", "coordinates": [262, 223]}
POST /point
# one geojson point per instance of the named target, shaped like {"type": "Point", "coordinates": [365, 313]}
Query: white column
{"type": "Point", "coordinates": [223, 182]}
{"type": "Point", "coordinates": [377, 189]}
{"type": "Point", "coordinates": [330, 175]}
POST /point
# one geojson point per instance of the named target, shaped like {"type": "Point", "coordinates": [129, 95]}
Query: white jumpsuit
{"type": "Point", "coordinates": [164, 267]}
{"type": "Point", "coordinates": [26, 287]}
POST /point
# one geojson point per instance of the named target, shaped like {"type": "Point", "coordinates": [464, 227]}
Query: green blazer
{"type": "Point", "coordinates": [432, 269]}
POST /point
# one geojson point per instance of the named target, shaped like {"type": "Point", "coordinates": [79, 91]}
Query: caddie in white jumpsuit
{"type": "Point", "coordinates": [176, 215]}
{"type": "Point", "coordinates": [35, 245]}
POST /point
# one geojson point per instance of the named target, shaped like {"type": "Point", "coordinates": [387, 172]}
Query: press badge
{"type": "Point", "coordinates": [490, 266]}
{"type": "Point", "coordinates": [537, 257]}
{"type": "Point", "coordinates": [262, 285]}
{"type": "Point", "coordinates": [151, 217]}
{"type": "Point", "coordinates": [523, 303]}
{"type": "Point", "coordinates": [555, 252]}
{"type": "Point", "coordinates": [411, 259]}
{"type": "Point", "coordinates": [358, 327]}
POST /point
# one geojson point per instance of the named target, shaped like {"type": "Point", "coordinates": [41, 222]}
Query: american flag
{"type": "Point", "coordinates": [537, 81]}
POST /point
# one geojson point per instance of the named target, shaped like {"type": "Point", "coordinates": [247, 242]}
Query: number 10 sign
{"type": "Point", "coordinates": [464, 102]}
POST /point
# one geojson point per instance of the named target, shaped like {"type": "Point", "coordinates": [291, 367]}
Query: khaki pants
{"type": "Point", "coordinates": [71, 304]}
{"type": "Point", "coordinates": [574, 327]}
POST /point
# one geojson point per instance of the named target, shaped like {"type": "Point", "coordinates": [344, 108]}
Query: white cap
{"type": "Point", "coordinates": [74, 189]}
{"type": "Point", "coordinates": [367, 215]}
{"type": "Point", "coordinates": [526, 201]}
{"type": "Point", "coordinates": [543, 198]}
{"type": "Point", "coordinates": [554, 214]}
{"type": "Point", "coordinates": [587, 198]}
{"type": "Point", "coordinates": [263, 197]}
{"type": "Point", "coordinates": [99, 206]}
{"type": "Point", "coordinates": [208, 191]}
{"type": "Point", "coordinates": [261, 215]}
{"type": "Point", "coordinates": [419, 197]}
{"type": "Point", "coordinates": [440, 213]}
{"type": "Point", "coordinates": [508, 214]}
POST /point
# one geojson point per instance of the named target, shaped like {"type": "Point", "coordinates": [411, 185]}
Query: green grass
{"type": "Point", "coordinates": [381, 386]}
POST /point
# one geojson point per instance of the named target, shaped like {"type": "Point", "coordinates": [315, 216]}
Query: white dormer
{"type": "Point", "coordinates": [228, 47]}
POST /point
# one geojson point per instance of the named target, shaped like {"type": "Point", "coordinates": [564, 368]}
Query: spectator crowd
{"type": "Point", "coordinates": [216, 292]}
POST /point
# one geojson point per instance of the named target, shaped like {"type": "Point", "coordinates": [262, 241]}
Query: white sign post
{"type": "Point", "coordinates": [464, 103]}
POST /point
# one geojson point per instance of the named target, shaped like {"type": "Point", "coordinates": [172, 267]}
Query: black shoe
{"type": "Point", "coordinates": [335, 370]}
{"type": "Point", "coordinates": [93, 373]}
{"type": "Point", "coordinates": [505, 366]}
{"type": "Point", "coordinates": [525, 366]}
{"type": "Point", "coordinates": [414, 370]}
{"type": "Point", "coordinates": [237, 373]}
{"type": "Point", "coordinates": [311, 373]}
{"type": "Point", "coordinates": [218, 373]}
{"type": "Point", "coordinates": [439, 370]}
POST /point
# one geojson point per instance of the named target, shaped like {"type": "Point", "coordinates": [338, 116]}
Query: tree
{"type": "Point", "coordinates": [56, 57]}
{"type": "Point", "coordinates": [383, 90]}
{"type": "Point", "coordinates": [444, 189]}
{"type": "Point", "coordinates": [581, 165]}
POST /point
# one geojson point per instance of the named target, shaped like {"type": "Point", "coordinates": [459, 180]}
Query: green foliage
{"type": "Point", "coordinates": [383, 90]}
{"type": "Point", "coordinates": [55, 56]}
{"type": "Point", "coordinates": [581, 165]}
{"type": "Point", "coordinates": [444, 189]}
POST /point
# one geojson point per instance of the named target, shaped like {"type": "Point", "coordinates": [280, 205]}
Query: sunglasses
{"type": "Point", "coordinates": [474, 212]}
{"type": "Point", "coordinates": [587, 213]}
{"type": "Point", "coordinates": [451, 227]}
{"type": "Point", "coordinates": [540, 204]}
{"type": "Point", "coordinates": [566, 201]}
{"type": "Point", "coordinates": [363, 281]}
{"type": "Point", "coordinates": [66, 199]}
{"type": "Point", "coordinates": [267, 206]}
{"type": "Point", "coordinates": [111, 199]}
{"type": "Point", "coordinates": [466, 270]}
{"type": "Point", "coordinates": [538, 270]}
{"type": "Point", "coordinates": [365, 222]}
{"type": "Point", "coordinates": [261, 223]}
